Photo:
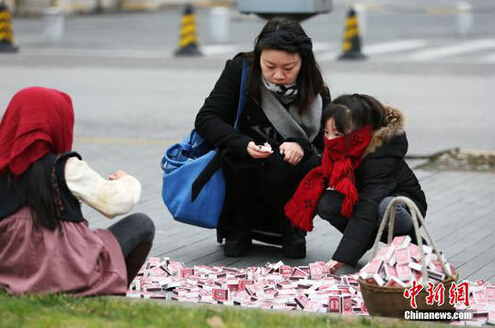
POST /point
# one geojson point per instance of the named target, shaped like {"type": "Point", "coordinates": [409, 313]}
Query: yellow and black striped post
{"type": "Point", "coordinates": [188, 42]}
{"type": "Point", "coordinates": [6, 37]}
{"type": "Point", "coordinates": [351, 44]}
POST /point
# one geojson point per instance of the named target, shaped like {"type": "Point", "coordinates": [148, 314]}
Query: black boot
{"type": "Point", "coordinates": [238, 241]}
{"type": "Point", "coordinates": [294, 241]}
{"type": "Point", "coordinates": [237, 244]}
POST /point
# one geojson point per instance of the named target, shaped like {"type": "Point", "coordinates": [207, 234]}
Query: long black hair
{"type": "Point", "coordinates": [39, 198]}
{"type": "Point", "coordinates": [287, 35]}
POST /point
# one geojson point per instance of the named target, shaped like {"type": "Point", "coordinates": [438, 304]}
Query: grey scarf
{"type": "Point", "coordinates": [285, 93]}
{"type": "Point", "coordinates": [288, 122]}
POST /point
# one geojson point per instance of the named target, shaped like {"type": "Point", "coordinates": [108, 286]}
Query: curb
{"type": "Point", "coordinates": [76, 8]}
{"type": "Point", "coordinates": [456, 159]}
{"type": "Point", "coordinates": [150, 5]}
{"type": "Point", "coordinates": [147, 6]}
{"type": "Point", "coordinates": [81, 7]}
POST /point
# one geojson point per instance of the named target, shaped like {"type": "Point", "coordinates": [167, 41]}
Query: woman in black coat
{"type": "Point", "coordinates": [285, 98]}
{"type": "Point", "coordinates": [382, 175]}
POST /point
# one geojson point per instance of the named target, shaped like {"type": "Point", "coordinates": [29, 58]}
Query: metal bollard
{"type": "Point", "coordinates": [464, 18]}
{"type": "Point", "coordinates": [53, 25]}
{"type": "Point", "coordinates": [219, 24]}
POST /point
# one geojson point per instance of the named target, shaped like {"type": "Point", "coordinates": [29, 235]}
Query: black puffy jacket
{"type": "Point", "coordinates": [383, 172]}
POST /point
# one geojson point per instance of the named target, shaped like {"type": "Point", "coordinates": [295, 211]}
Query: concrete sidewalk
{"type": "Point", "coordinates": [460, 216]}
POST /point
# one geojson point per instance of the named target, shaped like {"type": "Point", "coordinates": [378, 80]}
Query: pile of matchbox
{"type": "Point", "coordinates": [481, 304]}
{"type": "Point", "coordinates": [308, 288]}
{"type": "Point", "coordinates": [399, 264]}
{"type": "Point", "coordinates": [274, 286]}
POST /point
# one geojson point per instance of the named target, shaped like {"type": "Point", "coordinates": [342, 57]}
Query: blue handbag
{"type": "Point", "coordinates": [193, 186]}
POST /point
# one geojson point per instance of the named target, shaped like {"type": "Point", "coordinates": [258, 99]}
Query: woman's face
{"type": "Point", "coordinates": [280, 67]}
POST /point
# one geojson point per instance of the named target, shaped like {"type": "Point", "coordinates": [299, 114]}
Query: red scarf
{"type": "Point", "coordinates": [340, 158]}
{"type": "Point", "coordinates": [36, 122]}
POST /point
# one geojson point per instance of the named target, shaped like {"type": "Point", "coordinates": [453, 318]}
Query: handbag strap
{"type": "Point", "coordinates": [242, 92]}
{"type": "Point", "coordinates": [215, 164]}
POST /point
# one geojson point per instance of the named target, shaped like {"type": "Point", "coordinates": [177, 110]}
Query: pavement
{"type": "Point", "coordinates": [460, 216]}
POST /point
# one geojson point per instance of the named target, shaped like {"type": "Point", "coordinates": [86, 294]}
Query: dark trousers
{"type": "Point", "coordinates": [134, 234]}
{"type": "Point", "coordinates": [403, 223]}
{"type": "Point", "coordinates": [257, 193]}
{"type": "Point", "coordinates": [329, 209]}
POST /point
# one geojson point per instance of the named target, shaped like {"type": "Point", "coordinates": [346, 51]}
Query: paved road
{"type": "Point", "coordinates": [444, 110]}
{"type": "Point", "coordinates": [125, 82]}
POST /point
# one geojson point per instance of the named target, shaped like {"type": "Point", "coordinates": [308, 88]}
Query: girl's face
{"type": "Point", "coordinates": [280, 67]}
{"type": "Point", "coordinates": [330, 130]}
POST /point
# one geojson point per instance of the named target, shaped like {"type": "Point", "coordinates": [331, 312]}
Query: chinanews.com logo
{"type": "Point", "coordinates": [437, 315]}
{"type": "Point", "coordinates": [458, 294]}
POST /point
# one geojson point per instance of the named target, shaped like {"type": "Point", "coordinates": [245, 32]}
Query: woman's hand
{"type": "Point", "coordinates": [255, 152]}
{"type": "Point", "coordinates": [117, 175]}
{"type": "Point", "coordinates": [292, 152]}
{"type": "Point", "coordinates": [334, 266]}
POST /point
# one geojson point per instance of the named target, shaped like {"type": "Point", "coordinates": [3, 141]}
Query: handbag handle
{"type": "Point", "coordinates": [169, 159]}
{"type": "Point", "coordinates": [416, 216]}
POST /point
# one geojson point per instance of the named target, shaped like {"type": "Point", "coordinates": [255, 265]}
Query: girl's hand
{"type": "Point", "coordinates": [117, 175]}
{"type": "Point", "coordinates": [334, 266]}
{"type": "Point", "coordinates": [292, 152]}
{"type": "Point", "coordinates": [254, 151]}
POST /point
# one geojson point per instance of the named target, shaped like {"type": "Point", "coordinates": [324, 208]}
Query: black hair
{"type": "Point", "coordinates": [365, 110]}
{"type": "Point", "coordinates": [39, 198]}
{"type": "Point", "coordinates": [287, 35]}
{"type": "Point", "coordinates": [341, 115]}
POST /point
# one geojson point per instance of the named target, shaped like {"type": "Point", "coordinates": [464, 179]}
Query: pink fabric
{"type": "Point", "coordinates": [73, 260]}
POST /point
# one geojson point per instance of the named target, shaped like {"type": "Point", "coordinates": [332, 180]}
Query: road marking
{"type": "Point", "coordinates": [218, 49]}
{"type": "Point", "coordinates": [53, 52]}
{"type": "Point", "coordinates": [324, 51]}
{"type": "Point", "coordinates": [143, 54]}
{"type": "Point", "coordinates": [323, 46]}
{"type": "Point", "coordinates": [122, 141]}
{"type": "Point", "coordinates": [452, 50]}
{"type": "Point", "coordinates": [393, 46]}
{"type": "Point", "coordinates": [377, 48]}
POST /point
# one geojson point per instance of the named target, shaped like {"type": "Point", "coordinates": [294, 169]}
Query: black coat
{"type": "Point", "coordinates": [257, 189]}
{"type": "Point", "coordinates": [383, 172]}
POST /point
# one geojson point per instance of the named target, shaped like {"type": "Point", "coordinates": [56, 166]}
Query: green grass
{"type": "Point", "coordinates": [67, 311]}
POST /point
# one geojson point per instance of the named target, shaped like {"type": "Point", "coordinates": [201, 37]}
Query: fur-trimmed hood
{"type": "Point", "coordinates": [395, 121]}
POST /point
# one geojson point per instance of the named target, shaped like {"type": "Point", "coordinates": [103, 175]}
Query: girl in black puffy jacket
{"type": "Point", "coordinates": [381, 175]}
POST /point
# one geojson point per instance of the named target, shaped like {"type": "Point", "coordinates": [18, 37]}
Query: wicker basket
{"type": "Point", "coordinates": [389, 301]}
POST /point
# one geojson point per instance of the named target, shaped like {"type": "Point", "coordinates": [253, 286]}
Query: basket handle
{"type": "Point", "coordinates": [389, 217]}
